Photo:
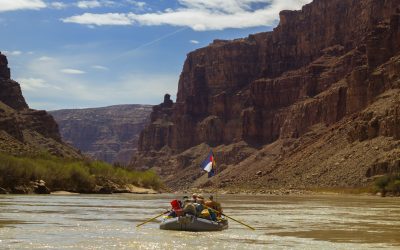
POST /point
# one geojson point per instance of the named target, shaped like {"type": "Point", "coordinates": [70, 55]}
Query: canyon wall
{"type": "Point", "coordinates": [321, 66]}
{"type": "Point", "coordinates": [109, 134]}
{"type": "Point", "coordinates": [234, 90]}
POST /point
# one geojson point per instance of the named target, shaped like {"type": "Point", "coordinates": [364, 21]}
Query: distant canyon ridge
{"type": "Point", "coordinates": [109, 134]}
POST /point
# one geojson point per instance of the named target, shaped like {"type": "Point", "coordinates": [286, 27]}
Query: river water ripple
{"type": "Point", "coordinates": [287, 222]}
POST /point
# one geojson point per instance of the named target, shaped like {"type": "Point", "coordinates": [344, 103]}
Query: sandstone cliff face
{"type": "Point", "coordinates": [320, 66]}
{"type": "Point", "coordinates": [222, 85]}
{"type": "Point", "coordinates": [110, 134]}
{"type": "Point", "coordinates": [23, 130]}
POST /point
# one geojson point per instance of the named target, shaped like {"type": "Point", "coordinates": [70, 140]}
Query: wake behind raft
{"type": "Point", "coordinates": [193, 216]}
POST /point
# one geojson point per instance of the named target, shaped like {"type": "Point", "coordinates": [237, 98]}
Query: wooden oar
{"type": "Point", "coordinates": [215, 211]}
{"type": "Point", "coordinates": [152, 219]}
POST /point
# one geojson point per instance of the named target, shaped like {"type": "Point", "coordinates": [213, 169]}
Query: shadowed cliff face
{"type": "Point", "coordinates": [24, 130]}
{"type": "Point", "coordinates": [320, 66]}
{"type": "Point", "coordinates": [10, 94]}
{"type": "Point", "coordinates": [110, 134]}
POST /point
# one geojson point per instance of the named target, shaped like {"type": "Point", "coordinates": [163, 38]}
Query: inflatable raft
{"type": "Point", "coordinates": [193, 224]}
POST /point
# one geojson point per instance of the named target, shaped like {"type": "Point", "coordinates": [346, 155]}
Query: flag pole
{"type": "Point", "coordinates": [215, 170]}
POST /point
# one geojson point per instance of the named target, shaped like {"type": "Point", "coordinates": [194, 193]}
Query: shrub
{"type": "Point", "coordinates": [388, 183]}
{"type": "Point", "coordinates": [68, 174]}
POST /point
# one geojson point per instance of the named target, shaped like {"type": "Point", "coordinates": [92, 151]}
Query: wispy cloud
{"type": "Point", "coordinates": [45, 58]}
{"type": "Point", "coordinates": [13, 5]}
{"type": "Point", "coordinates": [137, 4]}
{"type": "Point", "coordinates": [12, 53]}
{"type": "Point", "coordinates": [72, 71]}
{"type": "Point", "coordinates": [30, 84]}
{"type": "Point", "coordinates": [99, 19]}
{"type": "Point", "coordinates": [35, 84]}
{"type": "Point", "coordinates": [199, 15]}
{"type": "Point", "coordinates": [58, 5]}
{"type": "Point", "coordinates": [88, 4]}
{"type": "Point", "coordinates": [45, 89]}
{"type": "Point", "coordinates": [99, 67]}
{"type": "Point", "coordinates": [194, 41]}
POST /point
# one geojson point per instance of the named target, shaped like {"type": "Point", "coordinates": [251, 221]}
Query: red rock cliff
{"type": "Point", "coordinates": [247, 88]}
{"type": "Point", "coordinates": [303, 105]}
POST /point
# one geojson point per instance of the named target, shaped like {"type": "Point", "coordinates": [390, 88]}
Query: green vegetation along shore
{"type": "Point", "coordinates": [23, 174]}
{"type": "Point", "coordinates": [388, 185]}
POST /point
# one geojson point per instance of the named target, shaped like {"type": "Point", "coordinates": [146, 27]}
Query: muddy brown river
{"type": "Point", "coordinates": [287, 222]}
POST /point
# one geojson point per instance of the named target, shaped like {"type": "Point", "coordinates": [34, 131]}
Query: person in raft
{"type": "Point", "coordinates": [214, 205]}
{"type": "Point", "coordinates": [197, 208]}
{"type": "Point", "coordinates": [189, 206]}
{"type": "Point", "coordinates": [194, 198]}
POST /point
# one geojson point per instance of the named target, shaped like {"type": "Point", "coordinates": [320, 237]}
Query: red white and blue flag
{"type": "Point", "coordinates": [208, 165]}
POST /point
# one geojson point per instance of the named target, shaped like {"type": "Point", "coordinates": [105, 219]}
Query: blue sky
{"type": "Point", "coordinates": [76, 54]}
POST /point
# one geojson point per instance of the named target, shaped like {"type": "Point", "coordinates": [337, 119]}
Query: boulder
{"type": "Point", "coordinates": [40, 187]}
{"type": "Point", "coordinates": [3, 191]}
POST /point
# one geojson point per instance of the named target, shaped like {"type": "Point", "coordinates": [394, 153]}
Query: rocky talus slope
{"type": "Point", "coordinates": [110, 134]}
{"type": "Point", "coordinates": [313, 103]}
{"type": "Point", "coordinates": [24, 130]}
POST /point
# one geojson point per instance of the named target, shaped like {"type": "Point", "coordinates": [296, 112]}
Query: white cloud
{"type": "Point", "coordinates": [88, 4]}
{"type": "Point", "coordinates": [99, 67]}
{"type": "Point", "coordinates": [12, 53]}
{"type": "Point", "coordinates": [73, 71]}
{"type": "Point", "coordinates": [45, 89]}
{"type": "Point", "coordinates": [63, 91]}
{"type": "Point", "coordinates": [99, 19]}
{"type": "Point", "coordinates": [137, 4]}
{"type": "Point", "coordinates": [226, 6]}
{"type": "Point", "coordinates": [199, 15]}
{"type": "Point", "coordinates": [45, 58]}
{"type": "Point", "coordinates": [140, 4]}
{"type": "Point", "coordinates": [58, 5]}
{"type": "Point", "coordinates": [12, 5]}
{"type": "Point", "coordinates": [30, 84]}
{"type": "Point", "coordinates": [109, 3]}
{"type": "Point", "coordinates": [194, 41]}
{"type": "Point", "coordinates": [35, 84]}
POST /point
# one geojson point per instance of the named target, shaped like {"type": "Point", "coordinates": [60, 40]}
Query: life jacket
{"type": "Point", "coordinates": [205, 214]}
{"type": "Point", "coordinates": [176, 206]}
{"type": "Point", "coordinates": [214, 205]}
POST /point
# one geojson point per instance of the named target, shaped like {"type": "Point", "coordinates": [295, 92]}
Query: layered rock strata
{"type": "Point", "coordinates": [110, 134]}
{"type": "Point", "coordinates": [321, 66]}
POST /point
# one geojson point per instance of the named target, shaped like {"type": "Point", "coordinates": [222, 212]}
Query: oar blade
{"type": "Point", "coordinates": [149, 220]}
{"type": "Point", "coordinates": [252, 228]}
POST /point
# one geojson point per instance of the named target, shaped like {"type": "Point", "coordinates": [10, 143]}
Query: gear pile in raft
{"type": "Point", "coordinates": [196, 214]}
